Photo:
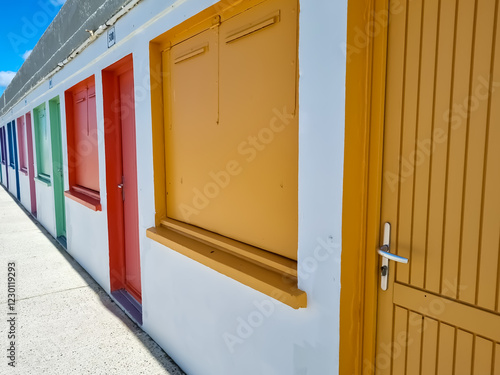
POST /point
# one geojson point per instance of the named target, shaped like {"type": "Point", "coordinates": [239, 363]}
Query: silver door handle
{"type": "Point", "coordinates": [120, 186]}
{"type": "Point", "coordinates": [383, 250]}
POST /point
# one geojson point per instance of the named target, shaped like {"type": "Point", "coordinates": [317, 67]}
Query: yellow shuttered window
{"type": "Point", "coordinates": [229, 121]}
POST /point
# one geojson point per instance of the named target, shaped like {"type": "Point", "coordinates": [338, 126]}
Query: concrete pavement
{"type": "Point", "coordinates": [65, 322]}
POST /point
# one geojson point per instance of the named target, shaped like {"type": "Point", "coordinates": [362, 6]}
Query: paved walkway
{"type": "Point", "coordinates": [65, 322]}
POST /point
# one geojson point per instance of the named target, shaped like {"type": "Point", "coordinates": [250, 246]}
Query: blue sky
{"type": "Point", "coordinates": [22, 24]}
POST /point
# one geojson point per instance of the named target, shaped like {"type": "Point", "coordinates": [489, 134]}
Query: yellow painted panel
{"type": "Point", "coordinates": [463, 355]}
{"type": "Point", "coordinates": [400, 341]}
{"type": "Point", "coordinates": [446, 348]}
{"type": "Point", "coordinates": [191, 125]}
{"type": "Point", "coordinates": [423, 146]}
{"type": "Point", "coordinates": [496, 365]}
{"type": "Point", "coordinates": [408, 121]}
{"type": "Point", "coordinates": [483, 351]}
{"type": "Point", "coordinates": [429, 345]}
{"type": "Point", "coordinates": [456, 149]}
{"type": "Point", "coordinates": [258, 86]}
{"type": "Point", "coordinates": [413, 349]}
{"type": "Point", "coordinates": [488, 287]}
{"type": "Point", "coordinates": [440, 135]}
{"type": "Point", "coordinates": [474, 172]}
{"type": "Point", "coordinates": [232, 164]}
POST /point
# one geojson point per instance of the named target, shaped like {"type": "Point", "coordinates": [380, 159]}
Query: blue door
{"type": "Point", "coordinates": [4, 155]}
{"type": "Point", "coordinates": [11, 128]}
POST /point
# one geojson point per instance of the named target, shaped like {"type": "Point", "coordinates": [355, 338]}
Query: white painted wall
{"type": "Point", "coordinates": [24, 185]}
{"type": "Point", "coordinates": [12, 179]}
{"type": "Point", "coordinates": [188, 308]}
{"type": "Point", "coordinates": [87, 240]}
{"type": "Point", "coordinates": [45, 206]}
{"type": "Point", "coordinates": [4, 175]}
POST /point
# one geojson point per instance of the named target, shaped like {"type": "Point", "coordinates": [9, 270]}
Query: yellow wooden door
{"type": "Point", "coordinates": [441, 189]}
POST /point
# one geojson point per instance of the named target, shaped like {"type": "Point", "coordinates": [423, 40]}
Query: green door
{"type": "Point", "coordinates": [57, 167]}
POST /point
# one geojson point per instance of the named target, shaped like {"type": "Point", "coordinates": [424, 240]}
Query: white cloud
{"type": "Point", "coordinates": [6, 77]}
{"type": "Point", "coordinates": [26, 54]}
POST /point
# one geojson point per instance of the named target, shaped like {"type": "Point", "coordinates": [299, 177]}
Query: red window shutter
{"type": "Point", "coordinates": [82, 137]}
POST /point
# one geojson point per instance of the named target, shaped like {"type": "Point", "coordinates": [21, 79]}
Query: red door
{"type": "Point", "coordinates": [121, 177]}
{"type": "Point", "coordinates": [131, 222]}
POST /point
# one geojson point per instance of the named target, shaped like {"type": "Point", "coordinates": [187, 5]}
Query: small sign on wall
{"type": "Point", "coordinates": [111, 36]}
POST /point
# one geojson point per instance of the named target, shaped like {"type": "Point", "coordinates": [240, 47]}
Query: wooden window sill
{"type": "Point", "coordinates": [261, 270]}
{"type": "Point", "coordinates": [84, 199]}
{"type": "Point", "coordinates": [94, 194]}
{"type": "Point", "coordinates": [24, 171]}
{"type": "Point", "coordinates": [43, 181]}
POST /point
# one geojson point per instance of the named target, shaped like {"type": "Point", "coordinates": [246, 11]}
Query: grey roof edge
{"type": "Point", "coordinates": [65, 37]}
